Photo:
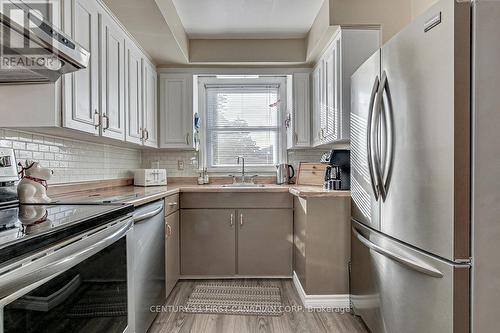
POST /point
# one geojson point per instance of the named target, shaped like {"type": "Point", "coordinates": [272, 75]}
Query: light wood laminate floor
{"type": "Point", "coordinates": [303, 321]}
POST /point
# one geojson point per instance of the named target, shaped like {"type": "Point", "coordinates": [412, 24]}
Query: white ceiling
{"type": "Point", "coordinates": [247, 18]}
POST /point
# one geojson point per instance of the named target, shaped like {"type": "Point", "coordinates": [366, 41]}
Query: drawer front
{"type": "Point", "coordinates": [236, 200]}
{"type": "Point", "coordinates": [171, 204]}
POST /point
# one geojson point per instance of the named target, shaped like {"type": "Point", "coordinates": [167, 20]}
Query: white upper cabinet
{"type": "Point", "coordinates": [331, 79]}
{"type": "Point", "coordinates": [115, 97]}
{"type": "Point", "coordinates": [176, 111]}
{"type": "Point", "coordinates": [298, 121]}
{"type": "Point", "coordinates": [112, 79]}
{"type": "Point", "coordinates": [81, 109]}
{"type": "Point", "coordinates": [150, 114]}
{"type": "Point", "coordinates": [316, 100]}
{"type": "Point", "coordinates": [133, 91]}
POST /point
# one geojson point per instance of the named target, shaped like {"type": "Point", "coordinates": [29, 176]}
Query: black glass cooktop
{"type": "Point", "coordinates": [25, 228]}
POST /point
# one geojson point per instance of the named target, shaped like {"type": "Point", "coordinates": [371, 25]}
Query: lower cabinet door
{"type": "Point", "coordinates": [265, 239]}
{"type": "Point", "coordinates": [208, 242]}
{"type": "Point", "coordinates": [172, 252]}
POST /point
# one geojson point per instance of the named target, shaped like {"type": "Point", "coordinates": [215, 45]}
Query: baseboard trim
{"type": "Point", "coordinates": [340, 301]}
{"type": "Point", "coordinates": [232, 277]}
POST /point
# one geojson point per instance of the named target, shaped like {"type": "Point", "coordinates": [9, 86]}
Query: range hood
{"type": "Point", "coordinates": [32, 50]}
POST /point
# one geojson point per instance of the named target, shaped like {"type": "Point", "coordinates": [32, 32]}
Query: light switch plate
{"type": "Point", "coordinates": [180, 165]}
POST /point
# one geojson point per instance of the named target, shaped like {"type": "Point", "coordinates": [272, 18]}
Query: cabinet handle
{"type": "Point", "coordinates": [96, 119]}
{"type": "Point", "coordinates": [231, 223]}
{"type": "Point", "coordinates": [169, 230]}
{"type": "Point", "coordinates": [142, 133]}
{"type": "Point", "coordinates": [241, 220]}
{"type": "Point", "coordinates": [171, 204]}
{"type": "Point", "coordinates": [322, 133]}
{"type": "Point", "coordinates": [296, 137]}
{"type": "Point", "coordinates": [147, 134]}
{"type": "Point", "coordinates": [187, 138]}
{"type": "Point", "coordinates": [106, 122]}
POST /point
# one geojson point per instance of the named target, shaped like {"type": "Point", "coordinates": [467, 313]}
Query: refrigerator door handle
{"type": "Point", "coordinates": [389, 133]}
{"type": "Point", "coordinates": [406, 261]}
{"type": "Point", "coordinates": [369, 139]}
{"type": "Point", "coordinates": [375, 138]}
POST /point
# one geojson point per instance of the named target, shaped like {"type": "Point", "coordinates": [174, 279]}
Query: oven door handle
{"type": "Point", "coordinates": [43, 266]}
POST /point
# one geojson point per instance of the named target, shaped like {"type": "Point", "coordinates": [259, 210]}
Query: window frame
{"type": "Point", "coordinates": [206, 81]}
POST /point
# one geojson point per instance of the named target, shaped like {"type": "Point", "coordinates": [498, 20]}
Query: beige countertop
{"type": "Point", "coordinates": [137, 195]}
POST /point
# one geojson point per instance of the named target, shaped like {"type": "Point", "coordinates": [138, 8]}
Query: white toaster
{"type": "Point", "coordinates": [150, 177]}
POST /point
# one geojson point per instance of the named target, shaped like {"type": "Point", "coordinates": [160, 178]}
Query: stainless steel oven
{"type": "Point", "coordinates": [79, 284]}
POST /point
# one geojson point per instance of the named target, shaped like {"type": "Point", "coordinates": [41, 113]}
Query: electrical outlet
{"type": "Point", "coordinates": [180, 165]}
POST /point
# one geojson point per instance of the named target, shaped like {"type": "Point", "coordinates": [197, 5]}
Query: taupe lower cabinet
{"type": "Point", "coordinates": [172, 246]}
{"type": "Point", "coordinates": [208, 242]}
{"type": "Point", "coordinates": [265, 241]}
{"type": "Point", "coordinates": [322, 244]}
{"type": "Point", "coordinates": [236, 242]}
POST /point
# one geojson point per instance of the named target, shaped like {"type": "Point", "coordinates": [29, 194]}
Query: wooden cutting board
{"type": "Point", "coordinates": [311, 174]}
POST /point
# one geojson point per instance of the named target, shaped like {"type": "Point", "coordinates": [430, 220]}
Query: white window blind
{"type": "Point", "coordinates": [243, 121]}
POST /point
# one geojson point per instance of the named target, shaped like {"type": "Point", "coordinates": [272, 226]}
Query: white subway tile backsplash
{"type": "Point", "coordinates": [18, 145]}
{"type": "Point", "coordinates": [305, 155]}
{"type": "Point", "coordinates": [72, 160]}
{"type": "Point", "coordinates": [168, 160]}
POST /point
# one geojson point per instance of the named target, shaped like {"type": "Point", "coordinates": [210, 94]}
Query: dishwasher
{"type": "Point", "coordinates": [149, 263]}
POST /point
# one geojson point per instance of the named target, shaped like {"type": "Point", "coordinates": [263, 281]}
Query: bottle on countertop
{"type": "Point", "coordinates": [200, 179]}
{"type": "Point", "coordinates": [206, 178]}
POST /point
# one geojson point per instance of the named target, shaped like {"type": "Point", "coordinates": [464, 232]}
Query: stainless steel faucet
{"type": "Point", "coordinates": [242, 167]}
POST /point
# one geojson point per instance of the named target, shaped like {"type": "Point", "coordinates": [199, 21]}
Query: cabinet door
{"type": "Point", "coordinates": [265, 238]}
{"type": "Point", "coordinates": [176, 111]}
{"type": "Point", "coordinates": [133, 88]}
{"type": "Point", "coordinates": [172, 251]}
{"type": "Point", "coordinates": [328, 118]}
{"type": "Point", "coordinates": [316, 104]}
{"type": "Point", "coordinates": [81, 88]}
{"type": "Point", "coordinates": [112, 78]}
{"type": "Point", "coordinates": [300, 126]}
{"type": "Point", "coordinates": [208, 242]}
{"type": "Point", "coordinates": [150, 102]}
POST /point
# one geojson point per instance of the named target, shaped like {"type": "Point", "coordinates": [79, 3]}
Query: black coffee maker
{"type": "Point", "coordinates": [338, 170]}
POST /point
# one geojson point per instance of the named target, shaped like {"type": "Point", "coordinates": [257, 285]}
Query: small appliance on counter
{"type": "Point", "coordinates": [338, 171]}
{"type": "Point", "coordinates": [332, 178]}
{"type": "Point", "coordinates": [150, 177]}
{"type": "Point", "coordinates": [8, 177]}
{"type": "Point", "coordinates": [284, 173]}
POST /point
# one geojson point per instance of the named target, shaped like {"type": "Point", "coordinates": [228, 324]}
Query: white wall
{"type": "Point", "coordinates": [420, 6]}
{"type": "Point", "coordinates": [392, 15]}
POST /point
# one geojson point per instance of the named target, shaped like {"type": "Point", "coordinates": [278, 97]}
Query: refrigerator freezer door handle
{"type": "Point", "coordinates": [369, 139]}
{"type": "Point", "coordinates": [389, 132]}
{"type": "Point", "coordinates": [406, 261]}
{"type": "Point", "coordinates": [375, 138]}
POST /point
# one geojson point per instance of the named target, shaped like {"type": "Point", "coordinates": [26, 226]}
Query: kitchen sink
{"type": "Point", "coordinates": [243, 185]}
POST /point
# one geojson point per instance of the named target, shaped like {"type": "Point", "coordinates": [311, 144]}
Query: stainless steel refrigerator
{"type": "Point", "coordinates": [418, 145]}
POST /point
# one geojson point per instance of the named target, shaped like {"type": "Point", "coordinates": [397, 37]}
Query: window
{"type": "Point", "coordinates": [243, 119]}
